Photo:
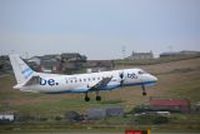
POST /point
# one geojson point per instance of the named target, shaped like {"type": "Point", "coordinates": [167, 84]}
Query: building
{"type": "Point", "coordinates": [114, 111]}
{"type": "Point", "coordinates": [169, 54]}
{"type": "Point", "coordinates": [196, 108]}
{"type": "Point", "coordinates": [4, 117]}
{"type": "Point", "coordinates": [73, 63]}
{"type": "Point", "coordinates": [101, 113]}
{"type": "Point", "coordinates": [187, 52]}
{"type": "Point", "coordinates": [46, 63]}
{"type": "Point", "coordinates": [140, 55]}
{"type": "Point", "coordinates": [72, 116]}
{"type": "Point", "coordinates": [55, 63]}
{"type": "Point", "coordinates": [5, 66]}
{"type": "Point", "coordinates": [99, 65]}
{"type": "Point", "coordinates": [173, 105]}
{"type": "Point", "coordinates": [179, 54]}
{"type": "Point", "coordinates": [35, 59]}
{"type": "Point", "coordinates": [73, 57]}
{"type": "Point", "coordinates": [96, 113]}
{"type": "Point", "coordinates": [34, 63]}
{"type": "Point", "coordinates": [50, 63]}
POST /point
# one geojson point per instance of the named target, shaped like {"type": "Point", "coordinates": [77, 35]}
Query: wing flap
{"type": "Point", "coordinates": [101, 84]}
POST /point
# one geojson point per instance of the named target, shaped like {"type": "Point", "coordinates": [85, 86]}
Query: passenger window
{"type": "Point", "coordinates": [75, 81]}
{"type": "Point", "coordinates": [80, 80]}
{"type": "Point", "coordinates": [93, 79]}
{"type": "Point", "coordinates": [84, 80]}
{"type": "Point", "coordinates": [71, 81]}
{"type": "Point", "coordinates": [66, 81]}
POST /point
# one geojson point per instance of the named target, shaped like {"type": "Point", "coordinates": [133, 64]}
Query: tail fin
{"type": "Point", "coordinates": [21, 70]}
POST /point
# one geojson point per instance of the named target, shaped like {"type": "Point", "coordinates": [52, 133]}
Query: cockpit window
{"type": "Point", "coordinates": [141, 72]}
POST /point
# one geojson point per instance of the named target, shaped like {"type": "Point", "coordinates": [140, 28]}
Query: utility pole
{"type": "Point", "coordinates": [123, 52]}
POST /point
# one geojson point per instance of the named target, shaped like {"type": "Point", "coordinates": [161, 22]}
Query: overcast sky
{"type": "Point", "coordinates": [98, 28]}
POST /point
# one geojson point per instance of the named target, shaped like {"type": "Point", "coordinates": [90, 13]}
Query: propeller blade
{"type": "Point", "coordinates": [121, 75]}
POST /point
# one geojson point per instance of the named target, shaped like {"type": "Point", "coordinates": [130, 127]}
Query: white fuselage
{"type": "Point", "coordinates": [82, 83]}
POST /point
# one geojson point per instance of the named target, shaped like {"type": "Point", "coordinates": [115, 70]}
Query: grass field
{"type": "Point", "coordinates": [175, 79]}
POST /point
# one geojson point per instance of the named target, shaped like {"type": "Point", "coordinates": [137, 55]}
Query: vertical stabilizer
{"type": "Point", "coordinates": [21, 70]}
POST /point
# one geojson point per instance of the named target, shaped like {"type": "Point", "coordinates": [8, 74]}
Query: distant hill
{"type": "Point", "coordinates": [153, 61]}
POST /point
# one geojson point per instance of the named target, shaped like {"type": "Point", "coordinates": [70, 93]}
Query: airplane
{"type": "Point", "coordinates": [29, 80]}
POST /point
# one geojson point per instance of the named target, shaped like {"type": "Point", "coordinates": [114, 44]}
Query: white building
{"type": "Point", "coordinates": [35, 59]}
{"type": "Point", "coordinates": [9, 117]}
{"type": "Point", "coordinates": [140, 55]}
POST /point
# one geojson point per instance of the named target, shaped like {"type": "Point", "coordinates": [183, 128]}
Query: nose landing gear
{"type": "Point", "coordinates": [86, 97]}
{"type": "Point", "coordinates": [144, 93]}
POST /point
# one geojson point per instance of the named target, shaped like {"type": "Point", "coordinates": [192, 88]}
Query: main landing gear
{"type": "Point", "coordinates": [98, 97]}
{"type": "Point", "coordinates": [144, 93]}
{"type": "Point", "coordinates": [87, 98]}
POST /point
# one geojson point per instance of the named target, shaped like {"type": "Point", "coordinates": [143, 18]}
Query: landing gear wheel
{"type": "Point", "coordinates": [87, 99]}
{"type": "Point", "coordinates": [144, 94]}
{"type": "Point", "coordinates": [98, 98]}
{"type": "Point", "coordinates": [144, 91]}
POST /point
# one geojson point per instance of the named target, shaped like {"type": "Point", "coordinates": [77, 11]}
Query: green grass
{"type": "Point", "coordinates": [57, 107]}
{"type": "Point", "coordinates": [187, 89]}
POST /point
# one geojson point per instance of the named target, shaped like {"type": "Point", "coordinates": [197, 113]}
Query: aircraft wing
{"type": "Point", "coordinates": [101, 84]}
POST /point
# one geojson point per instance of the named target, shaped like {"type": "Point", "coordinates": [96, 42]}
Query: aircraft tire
{"type": "Point", "coordinates": [144, 94]}
{"type": "Point", "coordinates": [98, 98]}
{"type": "Point", "coordinates": [87, 99]}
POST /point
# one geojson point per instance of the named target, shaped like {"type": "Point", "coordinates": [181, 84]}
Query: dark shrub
{"type": "Point", "coordinates": [160, 120]}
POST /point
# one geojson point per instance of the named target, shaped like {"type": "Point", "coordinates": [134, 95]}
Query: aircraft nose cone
{"type": "Point", "coordinates": [154, 78]}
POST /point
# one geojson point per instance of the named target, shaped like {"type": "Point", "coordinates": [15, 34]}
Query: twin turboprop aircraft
{"type": "Point", "coordinates": [31, 81]}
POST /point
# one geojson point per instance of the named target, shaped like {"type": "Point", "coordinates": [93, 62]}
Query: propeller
{"type": "Point", "coordinates": [121, 75]}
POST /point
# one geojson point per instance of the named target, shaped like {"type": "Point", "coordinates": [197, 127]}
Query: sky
{"type": "Point", "coordinates": [99, 29]}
